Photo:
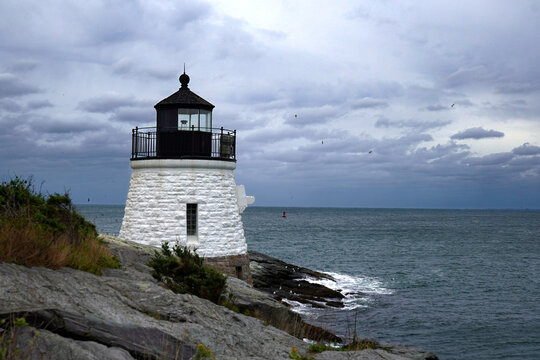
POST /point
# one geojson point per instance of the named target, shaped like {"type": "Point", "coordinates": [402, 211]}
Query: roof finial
{"type": "Point", "coordinates": [184, 78]}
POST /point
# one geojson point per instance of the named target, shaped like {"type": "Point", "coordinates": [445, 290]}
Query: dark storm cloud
{"type": "Point", "coordinates": [418, 125]}
{"type": "Point", "coordinates": [11, 86]}
{"type": "Point", "coordinates": [477, 133]}
{"type": "Point", "coordinates": [526, 150]}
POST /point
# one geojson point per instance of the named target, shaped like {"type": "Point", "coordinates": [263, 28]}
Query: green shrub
{"type": "Point", "coordinates": [318, 348]}
{"type": "Point", "coordinates": [183, 272]}
{"type": "Point", "coordinates": [38, 230]}
{"type": "Point", "coordinates": [10, 346]}
{"type": "Point", "coordinates": [204, 353]}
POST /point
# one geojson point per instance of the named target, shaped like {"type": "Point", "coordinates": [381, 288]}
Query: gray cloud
{"type": "Point", "coordinates": [411, 124]}
{"type": "Point", "coordinates": [22, 66]}
{"type": "Point", "coordinates": [38, 104]}
{"type": "Point", "coordinates": [259, 76]}
{"type": "Point", "coordinates": [141, 116]}
{"type": "Point", "coordinates": [491, 159]}
{"type": "Point", "coordinates": [463, 103]}
{"type": "Point", "coordinates": [367, 103]}
{"type": "Point", "coordinates": [477, 133]}
{"type": "Point", "coordinates": [469, 75]}
{"type": "Point", "coordinates": [436, 108]}
{"type": "Point", "coordinates": [9, 105]}
{"type": "Point", "coordinates": [109, 103]}
{"type": "Point", "coordinates": [47, 126]}
{"type": "Point", "coordinates": [11, 86]}
{"type": "Point", "coordinates": [312, 116]}
{"type": "Point", "coordinates": [519, 88]}
{"type": "Point", "coordinates": [526, 150]}
{"type": "Point", "coordinates": [132, 69]}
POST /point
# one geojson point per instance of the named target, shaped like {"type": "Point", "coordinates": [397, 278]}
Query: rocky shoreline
{"type": "Point", "coordinates": [126, 314]}
{"type": "Point", "coordinates": [282, 280]}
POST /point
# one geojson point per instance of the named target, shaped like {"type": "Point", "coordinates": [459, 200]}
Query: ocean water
{"type": "Point", "coordinates": [464, 284]}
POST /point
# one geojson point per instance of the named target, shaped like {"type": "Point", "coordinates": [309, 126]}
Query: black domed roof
{"type": "Point", "coordinates": [184, 79]}
{"type": "Point", "coordinates": [184, 98]}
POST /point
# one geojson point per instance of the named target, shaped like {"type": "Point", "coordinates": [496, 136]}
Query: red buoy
{"type": "Point", "coordinates": [284, 215]}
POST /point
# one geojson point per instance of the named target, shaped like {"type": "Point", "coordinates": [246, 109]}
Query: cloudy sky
{"type": "Point", "coordinates": [337, 103]}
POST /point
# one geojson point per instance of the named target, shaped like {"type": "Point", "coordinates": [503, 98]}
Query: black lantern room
{"type": "Point", "coordinates": [184, 130]}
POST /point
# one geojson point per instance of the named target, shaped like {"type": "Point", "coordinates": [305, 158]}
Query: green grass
{"type": "Point", "coordinates": [45, 230]}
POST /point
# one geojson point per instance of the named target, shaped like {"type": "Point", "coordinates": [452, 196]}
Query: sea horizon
{"type": "Point", "coordinates": [352, 207]}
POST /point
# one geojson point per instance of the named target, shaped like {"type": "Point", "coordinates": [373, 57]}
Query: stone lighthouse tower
{"type": "Point", "coordinates": [182, 187]}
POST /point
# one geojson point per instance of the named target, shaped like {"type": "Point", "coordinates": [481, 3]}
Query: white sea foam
{"type": "Point", "coordinates": [358, 290]}
{"type": "Point", "coordinates": [298, 307]}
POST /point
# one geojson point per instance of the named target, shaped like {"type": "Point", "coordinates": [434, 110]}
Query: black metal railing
{"type": "Point", "coordinates": [164, 143]}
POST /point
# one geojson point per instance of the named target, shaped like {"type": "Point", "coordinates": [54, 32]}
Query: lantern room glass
{"type": "Point", "coordinates": [205, 120]}
{"type": "Point", "coordinates": [195, 119]}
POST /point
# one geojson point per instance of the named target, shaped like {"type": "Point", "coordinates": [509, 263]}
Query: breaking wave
{"type": "Point", "coordinates": [358, 291]}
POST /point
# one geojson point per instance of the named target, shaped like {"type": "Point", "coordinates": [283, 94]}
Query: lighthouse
{"type": "Point", "coordinates": [182, 188]}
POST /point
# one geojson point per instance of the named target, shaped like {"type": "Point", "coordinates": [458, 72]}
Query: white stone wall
{"type": "Point", "coordinates": [155, 209]}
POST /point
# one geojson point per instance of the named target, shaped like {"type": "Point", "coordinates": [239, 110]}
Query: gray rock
{"type": "Point", "coordinates": [266, 308]}
{"type": "Point", "coordinates": [126, 314]}
{"type": "Point", "coordinates": [287, 281]}
{"type": "Point", "coordinates": [40, 344]}
{"type": "Point", "coordinates": [123, 308]}
{"type": "Point", "coordinates": [139, 341]}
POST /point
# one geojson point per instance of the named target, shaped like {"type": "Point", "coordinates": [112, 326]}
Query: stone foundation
{"type": "Point", "coordinates": [233, 265]}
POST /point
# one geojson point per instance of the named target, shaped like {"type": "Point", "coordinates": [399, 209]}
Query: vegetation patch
{"type": "Point", "coordinates": [295, 356]}
{"type": "Point", "coordinates": [204, 353]}
{"type": "Point", "coordinates": [10, 331]}
{"type": "Point", "coordinates": [39, 230]}
{"type": "Point", "coordinates": [182, 271]}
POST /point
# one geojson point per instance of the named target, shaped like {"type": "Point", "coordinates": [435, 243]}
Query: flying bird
{"type": "Point", "coordinates": [322, 141]}
{"type": "Point", "coordinates": [370, 151]}
{"type": "Point", "coordinates": [452, 105]}
{"type": "Point", "coordinates": [295, 115]}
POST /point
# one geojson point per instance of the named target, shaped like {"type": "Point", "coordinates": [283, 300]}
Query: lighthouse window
{"type": "Point", "coordinates": [205, 117]}
{"type": "Point", "coordinates": [191, 219]}
{"type": "Point", "coordinates": [188, 118]}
